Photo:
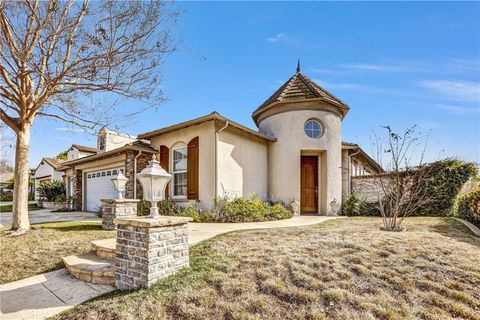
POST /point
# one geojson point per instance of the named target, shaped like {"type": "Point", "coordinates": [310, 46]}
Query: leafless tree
{"type": "Point", "coordinates": [57, 56]}
{"type": "Point", "coordinates": [401, 190]}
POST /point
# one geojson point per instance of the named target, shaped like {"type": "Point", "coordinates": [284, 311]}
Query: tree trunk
{"type": "Point", "coordinates": [20, 220]}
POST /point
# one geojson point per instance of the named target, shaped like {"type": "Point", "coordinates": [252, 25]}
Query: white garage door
{"type": "Point", "coordinates": [99, 186]}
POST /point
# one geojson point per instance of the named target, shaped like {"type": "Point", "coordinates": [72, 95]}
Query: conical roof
{"type": "Point", "coordinates": [300, 87]}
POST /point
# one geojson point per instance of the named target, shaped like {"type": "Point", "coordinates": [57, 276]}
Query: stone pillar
{"type": "Point", "coordinates": [117, 208]}
{"type": "Point", "coordinates": [77, 189]}
{"type": "Point", "coordinates": [149, 249]}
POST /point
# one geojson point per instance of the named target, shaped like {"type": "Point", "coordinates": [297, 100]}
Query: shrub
{"type": "Point", "coordinates": [51, 191]}
{"type": "Point", "coordinates": [469, 207]}
{"type": "Point", "coordinates": [354, 205]}
{"type": "Point", "coordinates": [443, 185]}
{"type": "Point", "coordinates": [224, 210]}
{"type": "Point", "coordinates": [6, 196]}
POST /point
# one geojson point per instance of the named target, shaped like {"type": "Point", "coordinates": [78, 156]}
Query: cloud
{"type": "Point", "coordinates": [332, 72]}
{"type": "Point", "coordinates": [457, 90]}
{"type": "Point", "coordinates": [373, 67]}
{"type": "Point", "coordinates": [349, 86]}
{"type": "Point", "coordinates": [67, 129]}
{"type": "Point", "coordinates": [277, 38]}
{"type": "Point", "coordinates": [458, 110]}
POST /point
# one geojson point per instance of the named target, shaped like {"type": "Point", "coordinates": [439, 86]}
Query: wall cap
{"type": "Point", "coordinates": [145, 222]}
{"type": "Point", "coordinates": [120, 200]}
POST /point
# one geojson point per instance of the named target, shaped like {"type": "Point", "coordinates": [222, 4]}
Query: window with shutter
{"type": "Point", "coordinates": [164, 163]}
{"type": "Point", "coordinates": [192, 169]}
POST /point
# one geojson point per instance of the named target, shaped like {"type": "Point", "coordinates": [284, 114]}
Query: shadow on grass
{"type": "Point", "coordinates": [455, 229]}
{"type": "Point", "coordinates": [71, 226]}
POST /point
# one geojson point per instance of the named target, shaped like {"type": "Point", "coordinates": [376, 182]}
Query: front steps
{"type": "Point", "coordinates": [95, 267]}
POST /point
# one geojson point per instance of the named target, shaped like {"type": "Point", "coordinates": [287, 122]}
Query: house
{"type": "Point", "coordinates": [48, 170]}
{"type": "Point", "coordinates": [296, 154]}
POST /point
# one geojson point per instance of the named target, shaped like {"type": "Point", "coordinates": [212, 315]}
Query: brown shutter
{"type": "Point", "coordinates": [164, 162]}
{"type": "Point", "coordinates": [192, 169]}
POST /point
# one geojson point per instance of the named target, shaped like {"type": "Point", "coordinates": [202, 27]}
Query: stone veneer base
{"type": "Point", "coordinates": [149, 249]}
{"type": "Point", "coordinates": [117, 208]}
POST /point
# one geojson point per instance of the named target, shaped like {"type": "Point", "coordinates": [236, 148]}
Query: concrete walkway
{"type": "Point", "coordinates": [44, 215]}
{"type": "Point", "coordinates": [45, 295]}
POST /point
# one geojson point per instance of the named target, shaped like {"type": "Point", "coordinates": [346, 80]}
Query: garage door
{"type": "Point", "coordinates": [99, 186]}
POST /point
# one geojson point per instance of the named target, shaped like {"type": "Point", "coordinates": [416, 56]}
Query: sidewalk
{"type": "Point", "coordinates": [47, 294]}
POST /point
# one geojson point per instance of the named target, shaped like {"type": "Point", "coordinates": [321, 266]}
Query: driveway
{"type": "Point", "coordinates": [44, 215]}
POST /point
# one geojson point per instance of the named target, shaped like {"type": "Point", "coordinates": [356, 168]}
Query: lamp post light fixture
{"type": "Point", "coordinates": [154, 180]}
{"type": "Point", "coordinates": [119, 183]}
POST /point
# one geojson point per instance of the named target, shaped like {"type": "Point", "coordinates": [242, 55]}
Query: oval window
{"type": "Point", "coordinates": [313, 129]}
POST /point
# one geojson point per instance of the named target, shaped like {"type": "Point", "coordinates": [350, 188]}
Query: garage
{"type": "Point", "coordinates": [99, 186]}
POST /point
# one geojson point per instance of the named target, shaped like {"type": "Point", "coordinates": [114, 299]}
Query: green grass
{"type": "Point", "coordinates": [342, 269]}
{"type": "Point", "coordinates": [8, 207]}
{"type": "Point", "coordinates": [42, 248]}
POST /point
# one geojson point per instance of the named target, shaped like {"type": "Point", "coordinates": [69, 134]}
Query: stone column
{"type": "Point", "coordinates": [117, 208]}
{"type": "Point", "coordinates": [149, 249]}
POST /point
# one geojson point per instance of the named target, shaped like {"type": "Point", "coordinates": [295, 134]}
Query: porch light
{"type": "Point", "coordinates": [119, 183]}
{"type": "Point", "coordinates": [154, 180]}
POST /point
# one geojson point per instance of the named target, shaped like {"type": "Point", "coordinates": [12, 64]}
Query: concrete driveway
{"type": "Point", "coordinates": [44, 215]}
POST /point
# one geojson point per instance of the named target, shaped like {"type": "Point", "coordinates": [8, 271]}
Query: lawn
{"type": "Point", "coordinates": [8, 207]}
{"type": "Point", "coordinates": [342, 269]}
{"type": "Point", "coordinates": [42, 249]}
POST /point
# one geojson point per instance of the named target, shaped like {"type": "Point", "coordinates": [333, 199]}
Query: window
{"type": "Point", "coordinates": [98, 174]}
{"type": "Point", "coordinates": [313, 129]}
{"type": "Point", "coordinates": [101, 143]}
{"type": "Point", "coordinates": [114, 172]}
{"type": "Point", "coordinates": [109, 173]}
{"type": "Point", "coordinates": [89, 176]}
{"type": "Point", "coordinates": [180, 172]}
{"type": "Point", "coordinates": [103, 174]}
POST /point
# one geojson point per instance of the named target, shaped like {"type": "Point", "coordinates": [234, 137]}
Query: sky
{"type": "Point", "coordinates": [393, 63]}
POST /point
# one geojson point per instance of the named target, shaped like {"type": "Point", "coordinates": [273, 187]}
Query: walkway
{"type": "Point", "coordinates": [44, 215]}
{"type": "Point", "coordinates": [45, 295]}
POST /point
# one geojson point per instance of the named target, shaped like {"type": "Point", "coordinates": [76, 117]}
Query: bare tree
{"type": "Point", "coordinates": [54, 54]}
{"type": "Point", "coordinates": [402, 189]}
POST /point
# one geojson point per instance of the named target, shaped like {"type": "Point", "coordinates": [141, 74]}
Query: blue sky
{"type": "Point", "coordinates": [394, 63]}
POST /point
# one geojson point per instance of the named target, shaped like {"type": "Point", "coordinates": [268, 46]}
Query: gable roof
{"type": "Point", "coordinates": [53, 162]}
{"type": "Point", "coordinates": [300, 87]}
{"type": "Point", "coordinates": [137, 145]}
{"type": "Point", "coordinates": [353, 146]}
{"type": "Point", "coordinates": [84, 148]}
{"type": "Point", "coordinates": [209, 117]}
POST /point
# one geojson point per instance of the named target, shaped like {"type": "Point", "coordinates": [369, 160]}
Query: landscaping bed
{"type": "Point", "coordinates": [341, 269]}
{"type": "Point", "coordinates": [42, 248]}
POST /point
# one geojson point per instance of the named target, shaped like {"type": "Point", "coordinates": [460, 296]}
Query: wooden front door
{"type": "Point", "coordinates": [308, 184]}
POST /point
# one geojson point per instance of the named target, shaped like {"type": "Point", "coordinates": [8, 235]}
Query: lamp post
{"type": "Point", "coordinates": [154, 180]}
{"type": "Point", "coordinates": [119, 183]}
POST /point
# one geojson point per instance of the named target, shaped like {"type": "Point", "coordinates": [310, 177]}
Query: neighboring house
{"type": "Point", "coordinates": [48, 170]}
{"type": "Point", "coordinates": [77, 151]}
{"type": "Point", "coordinates": [297, 153]}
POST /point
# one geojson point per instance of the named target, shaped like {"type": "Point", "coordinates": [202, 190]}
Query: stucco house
{"type": "Point", "coordinates": [297, 153]}
{"type": "Point", "coordinates": [48, 170]}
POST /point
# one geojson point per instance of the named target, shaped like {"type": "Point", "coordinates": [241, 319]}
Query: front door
{"type": "Point", "coordinates": [308, 184]}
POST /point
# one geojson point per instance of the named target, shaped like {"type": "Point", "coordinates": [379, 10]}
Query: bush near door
{"type": "Point", "coordinates": [469, 207]}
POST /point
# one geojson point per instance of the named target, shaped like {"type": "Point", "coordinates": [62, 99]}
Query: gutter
{"type": "Point", "coordinates": [350, 170]}
{"type": "Point", "coordinates": [135, 174]}
{"type": "Point", "coordinates": [216, 155]}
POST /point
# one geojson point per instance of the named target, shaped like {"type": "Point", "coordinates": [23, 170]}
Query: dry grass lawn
{"type": "Point", "coordinates": [42, 249]}
{"type": "Point", "coordinates": [343, 269]}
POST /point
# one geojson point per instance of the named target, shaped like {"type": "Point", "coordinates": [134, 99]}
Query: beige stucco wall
{"type": "Point", "coordinates": [242, 164]}
{"type": "Point", "coordinates": [284, 155]}
{"type": "Point", "coordinates": [345, 173]}
{"type": "Point", "coordinates": [206, 133]}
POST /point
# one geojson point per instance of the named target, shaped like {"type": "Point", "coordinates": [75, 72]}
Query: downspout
{"type": "Point", "coordinates": [135, 174]}
{"type": "Point", "coordinates": [216, 155]}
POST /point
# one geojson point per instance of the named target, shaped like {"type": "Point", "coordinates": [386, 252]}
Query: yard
{"type": "Point", "coordinates": [342, 269]}
{"type": "Point", "coordinates": [42, 249]}
{"type": "Point", "coordinates": [9, 208]}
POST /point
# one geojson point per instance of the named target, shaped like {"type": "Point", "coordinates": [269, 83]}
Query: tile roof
{"type": "Point", "coordinates": [54, 162]}
{"type": "Point", "coordinates": [300, 87]}
{"type": "Point", "coordinates": [362, 153]}
{"type": "Point", "coordinates": [84, 148]}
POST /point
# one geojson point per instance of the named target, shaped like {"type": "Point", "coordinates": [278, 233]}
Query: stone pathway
{"type": "Point", "coordinates": [44, 215]}
{"type": "Point", "coordinates": [45, 295]}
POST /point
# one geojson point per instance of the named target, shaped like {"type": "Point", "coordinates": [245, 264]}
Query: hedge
{"type": "Point", "coordinates": [442, 184]}
{"type": "Point", "coordinates": [469, 207]}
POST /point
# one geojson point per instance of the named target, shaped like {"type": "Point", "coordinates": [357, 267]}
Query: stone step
{"type": "Point", "coordinates": [91, 268]}
{"type": "Point", "coordinates": [105, 248]}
